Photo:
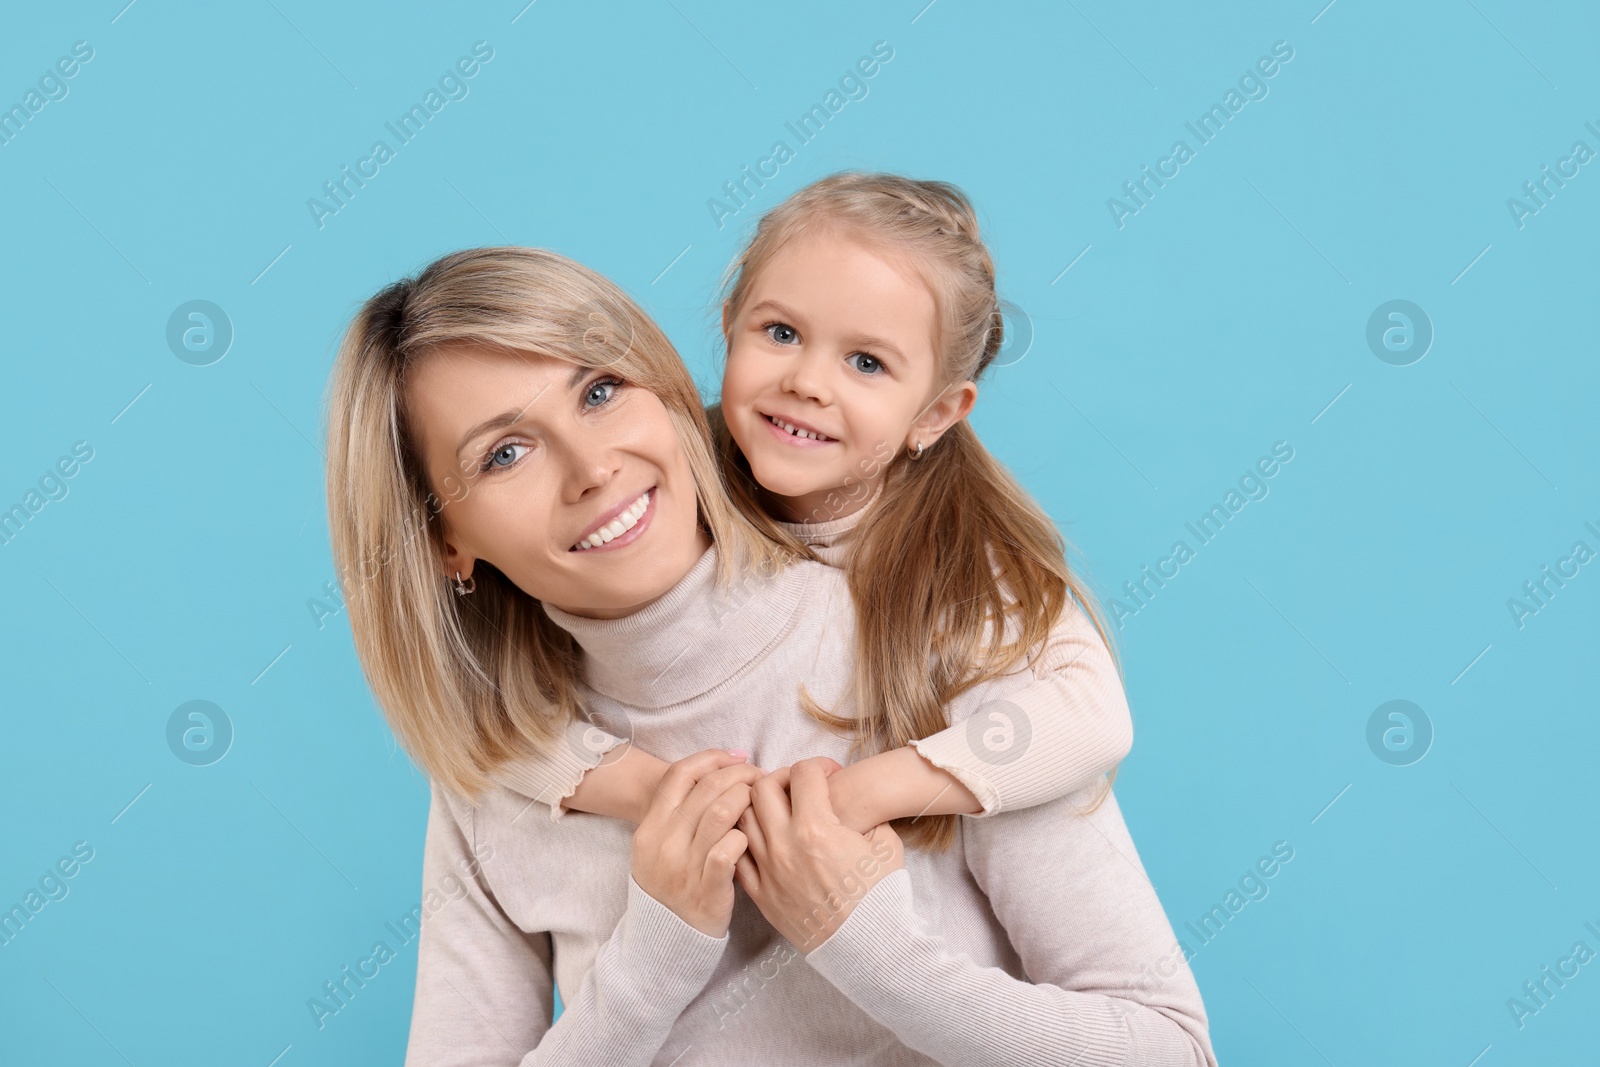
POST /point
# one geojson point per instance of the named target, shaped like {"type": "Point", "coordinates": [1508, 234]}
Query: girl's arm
{"type": "Point", "coordinates": [484, 985]}
{"type": "Point", "coordinates": [590, 770]}
{"type": "Point", "coordinates": [1108, 981]}
{"type": "Point", "coordinates": [1051, 738]}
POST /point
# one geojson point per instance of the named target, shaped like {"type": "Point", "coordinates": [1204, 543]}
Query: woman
{"type": "Point", "coordinates": [538, 400]}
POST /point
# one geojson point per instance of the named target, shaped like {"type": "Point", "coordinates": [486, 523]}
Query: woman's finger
{"type": "Point", "coordinates": [722, 858]}
{"type": "Point", "coordinates": [748, 873]}
{"type": "Point", "coordinates": [679, 781]}
{"type": "Point", "coordinates": [753, 832]}
{"type": "Point", "coordinates": [808, 793]}
{"type": "Point", "coordinates": [720, 816]}
{"type": "Point", "coordinates": [708, 793]}
{"type": "Point", "coordinates": [771, 801]}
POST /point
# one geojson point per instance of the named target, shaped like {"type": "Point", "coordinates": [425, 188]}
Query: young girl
{"type": "Point", "coordinates": [857, 323]}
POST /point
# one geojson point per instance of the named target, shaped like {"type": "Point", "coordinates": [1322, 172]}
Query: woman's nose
{"type": "Point", "coordinates": [589, 465]}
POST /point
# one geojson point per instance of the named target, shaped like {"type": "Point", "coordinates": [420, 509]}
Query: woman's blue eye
{"type": "Point", "coordinates": [782, 333]}
{"type": "Point", "coordinates": [504, 456]}
{"type": "Point", "coordinates": [599, 393]}
{"type": "Point", "coordinates": [868, 365]}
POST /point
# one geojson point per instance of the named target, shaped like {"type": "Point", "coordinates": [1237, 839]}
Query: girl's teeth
{"type": "Point", "coordinates": [796, 431]}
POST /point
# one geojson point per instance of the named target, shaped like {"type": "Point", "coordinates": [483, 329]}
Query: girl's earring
{"type": "Point", "coordinates": [463, 588]}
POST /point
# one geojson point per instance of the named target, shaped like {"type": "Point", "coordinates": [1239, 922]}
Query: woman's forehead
{"type": "Point", "coordinates": [453, 389]}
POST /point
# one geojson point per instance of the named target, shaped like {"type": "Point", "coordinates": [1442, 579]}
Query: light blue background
{"type": "Point", "coordinates": [1227, 315]}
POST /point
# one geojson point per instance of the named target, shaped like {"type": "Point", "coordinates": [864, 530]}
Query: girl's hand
{"type": "Point", "coordinates": [898, 784]}
{"type": "Point", "coordinates": [685, 848]}
{"type": "Point", "coordinates": [622, 785]}
{"type": "Point", "coordinates": [804, 868]}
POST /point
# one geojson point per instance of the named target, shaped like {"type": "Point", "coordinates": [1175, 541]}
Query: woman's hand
{"type": "Point", "coordinates": [804, 868]}
{"type": "Point", "coordinates": [685, 848]}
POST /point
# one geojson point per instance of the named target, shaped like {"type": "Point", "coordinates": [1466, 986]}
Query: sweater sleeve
{"type": "Point", "coordinates": [553, 776]}
{"type": "Point", "coordinates": [1109, 982]}
{"type": "Point", "coordinates": [1051, 738]}
{"type": "Point", "coordinates": [484, 985]}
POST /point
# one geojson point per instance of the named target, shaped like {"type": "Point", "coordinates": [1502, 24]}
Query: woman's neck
{"type": "Point", "coordinates": [689, 640]}
{"type": "Point", "coordinates": [702, 543]}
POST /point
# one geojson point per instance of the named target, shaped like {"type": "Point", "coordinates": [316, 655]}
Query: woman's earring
{"type": "Point", "coordinates": [463, 588]}
{"type": "Point", "coordinates": [918, 453]}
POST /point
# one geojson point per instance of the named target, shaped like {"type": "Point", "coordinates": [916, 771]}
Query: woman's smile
{"type": "Point", "coordinates": [621, 526]}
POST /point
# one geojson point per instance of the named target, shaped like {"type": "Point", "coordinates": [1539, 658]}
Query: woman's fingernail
{"type": "Point", "coordinates": [738, 753]}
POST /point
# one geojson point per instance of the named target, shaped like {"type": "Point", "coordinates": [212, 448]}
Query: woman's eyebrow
{"type": "Point", "coordinates": [507, 418]}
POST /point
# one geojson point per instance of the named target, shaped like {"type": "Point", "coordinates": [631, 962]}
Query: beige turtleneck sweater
{"type": "Point", "coordinates": [1037, 939]}
{"type": "Point", "coordinates": [1059, 734]}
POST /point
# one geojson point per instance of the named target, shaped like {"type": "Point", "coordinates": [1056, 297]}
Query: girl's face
{"type": "Point", "coordinates": [831, 371]}
{"type": "Point", "coordinates": [544, 459]}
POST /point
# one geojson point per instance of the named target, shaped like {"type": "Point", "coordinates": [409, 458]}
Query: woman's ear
{"type": "Point", "coordinates": [454, 562]}
{"type": "Point", "coordinates": [953, 405]}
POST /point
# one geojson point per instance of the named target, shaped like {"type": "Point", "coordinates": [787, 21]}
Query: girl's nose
{"type": "Point", "coordinates": [807, 377]}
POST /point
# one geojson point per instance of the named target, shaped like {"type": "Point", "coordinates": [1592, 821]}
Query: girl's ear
{"type": "Point", "coordinates": [953, 405]}
{"type": "Point", "coordinates": [727, 319]}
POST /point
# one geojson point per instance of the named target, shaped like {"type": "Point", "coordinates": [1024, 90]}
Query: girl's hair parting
{"type": "Point", "coordinates": [954, 541]}
{"type": "Point", "coordinates": [470, 682]}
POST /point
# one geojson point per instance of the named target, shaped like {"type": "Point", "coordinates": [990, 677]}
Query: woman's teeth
{"type": "Point", "coordinates": [795, 431]}
{"type": "Point", "coordinates": [617, 526]}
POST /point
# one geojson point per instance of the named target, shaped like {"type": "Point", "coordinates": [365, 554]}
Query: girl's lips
{"type": "Point", "coordinates": [633, 533]}
{"type": "Point", "coordinates": [790, 439]}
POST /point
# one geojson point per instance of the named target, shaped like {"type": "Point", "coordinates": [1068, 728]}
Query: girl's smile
{"type": "Point", "coordinates": [798, 433]}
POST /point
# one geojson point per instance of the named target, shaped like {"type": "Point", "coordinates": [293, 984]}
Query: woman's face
{"type": "Point", "coordinates": [543, 460]}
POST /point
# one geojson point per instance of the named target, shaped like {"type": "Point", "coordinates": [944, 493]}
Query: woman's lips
{"type": "Point", "coordinates": [630, 535]}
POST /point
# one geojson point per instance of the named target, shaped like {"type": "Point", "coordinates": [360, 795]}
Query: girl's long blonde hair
{"type": "Point", "coordinates": [954, 541]}
{"type": "Point", "coordinates": [469, 682]}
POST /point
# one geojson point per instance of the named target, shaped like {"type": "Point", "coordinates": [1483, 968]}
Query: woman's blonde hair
{"type": "Point", "coordinates": [953, 541]}
{"type": "Point", "coordinates": [469, 682]}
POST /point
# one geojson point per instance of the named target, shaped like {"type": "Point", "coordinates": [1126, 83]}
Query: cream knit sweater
{"type": "Point", "coordinates": [1054, 736]}
{"type": "Point", "coordinates": [1036, 940]}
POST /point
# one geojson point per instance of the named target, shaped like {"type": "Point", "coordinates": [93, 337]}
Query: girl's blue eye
{"type": "Point", "coordinates": [782, 333]}
{"type": "Point", "coordinates": [504, 456]}
{"type": "Point", "coordinates": [869, 365]}
{"type": "Point", "coordinates": [600, 392]}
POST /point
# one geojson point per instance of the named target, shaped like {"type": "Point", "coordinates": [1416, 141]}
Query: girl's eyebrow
{"type": "Point", "coordinates": [869, 341]}
{"type": "Point", "coordinates": [777, 308]}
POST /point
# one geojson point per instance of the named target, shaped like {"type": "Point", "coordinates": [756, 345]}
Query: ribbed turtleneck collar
{"type": "Point", "coordinates": [831, 538]}
{"type": "Point", "coordinates": [692, 639]}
